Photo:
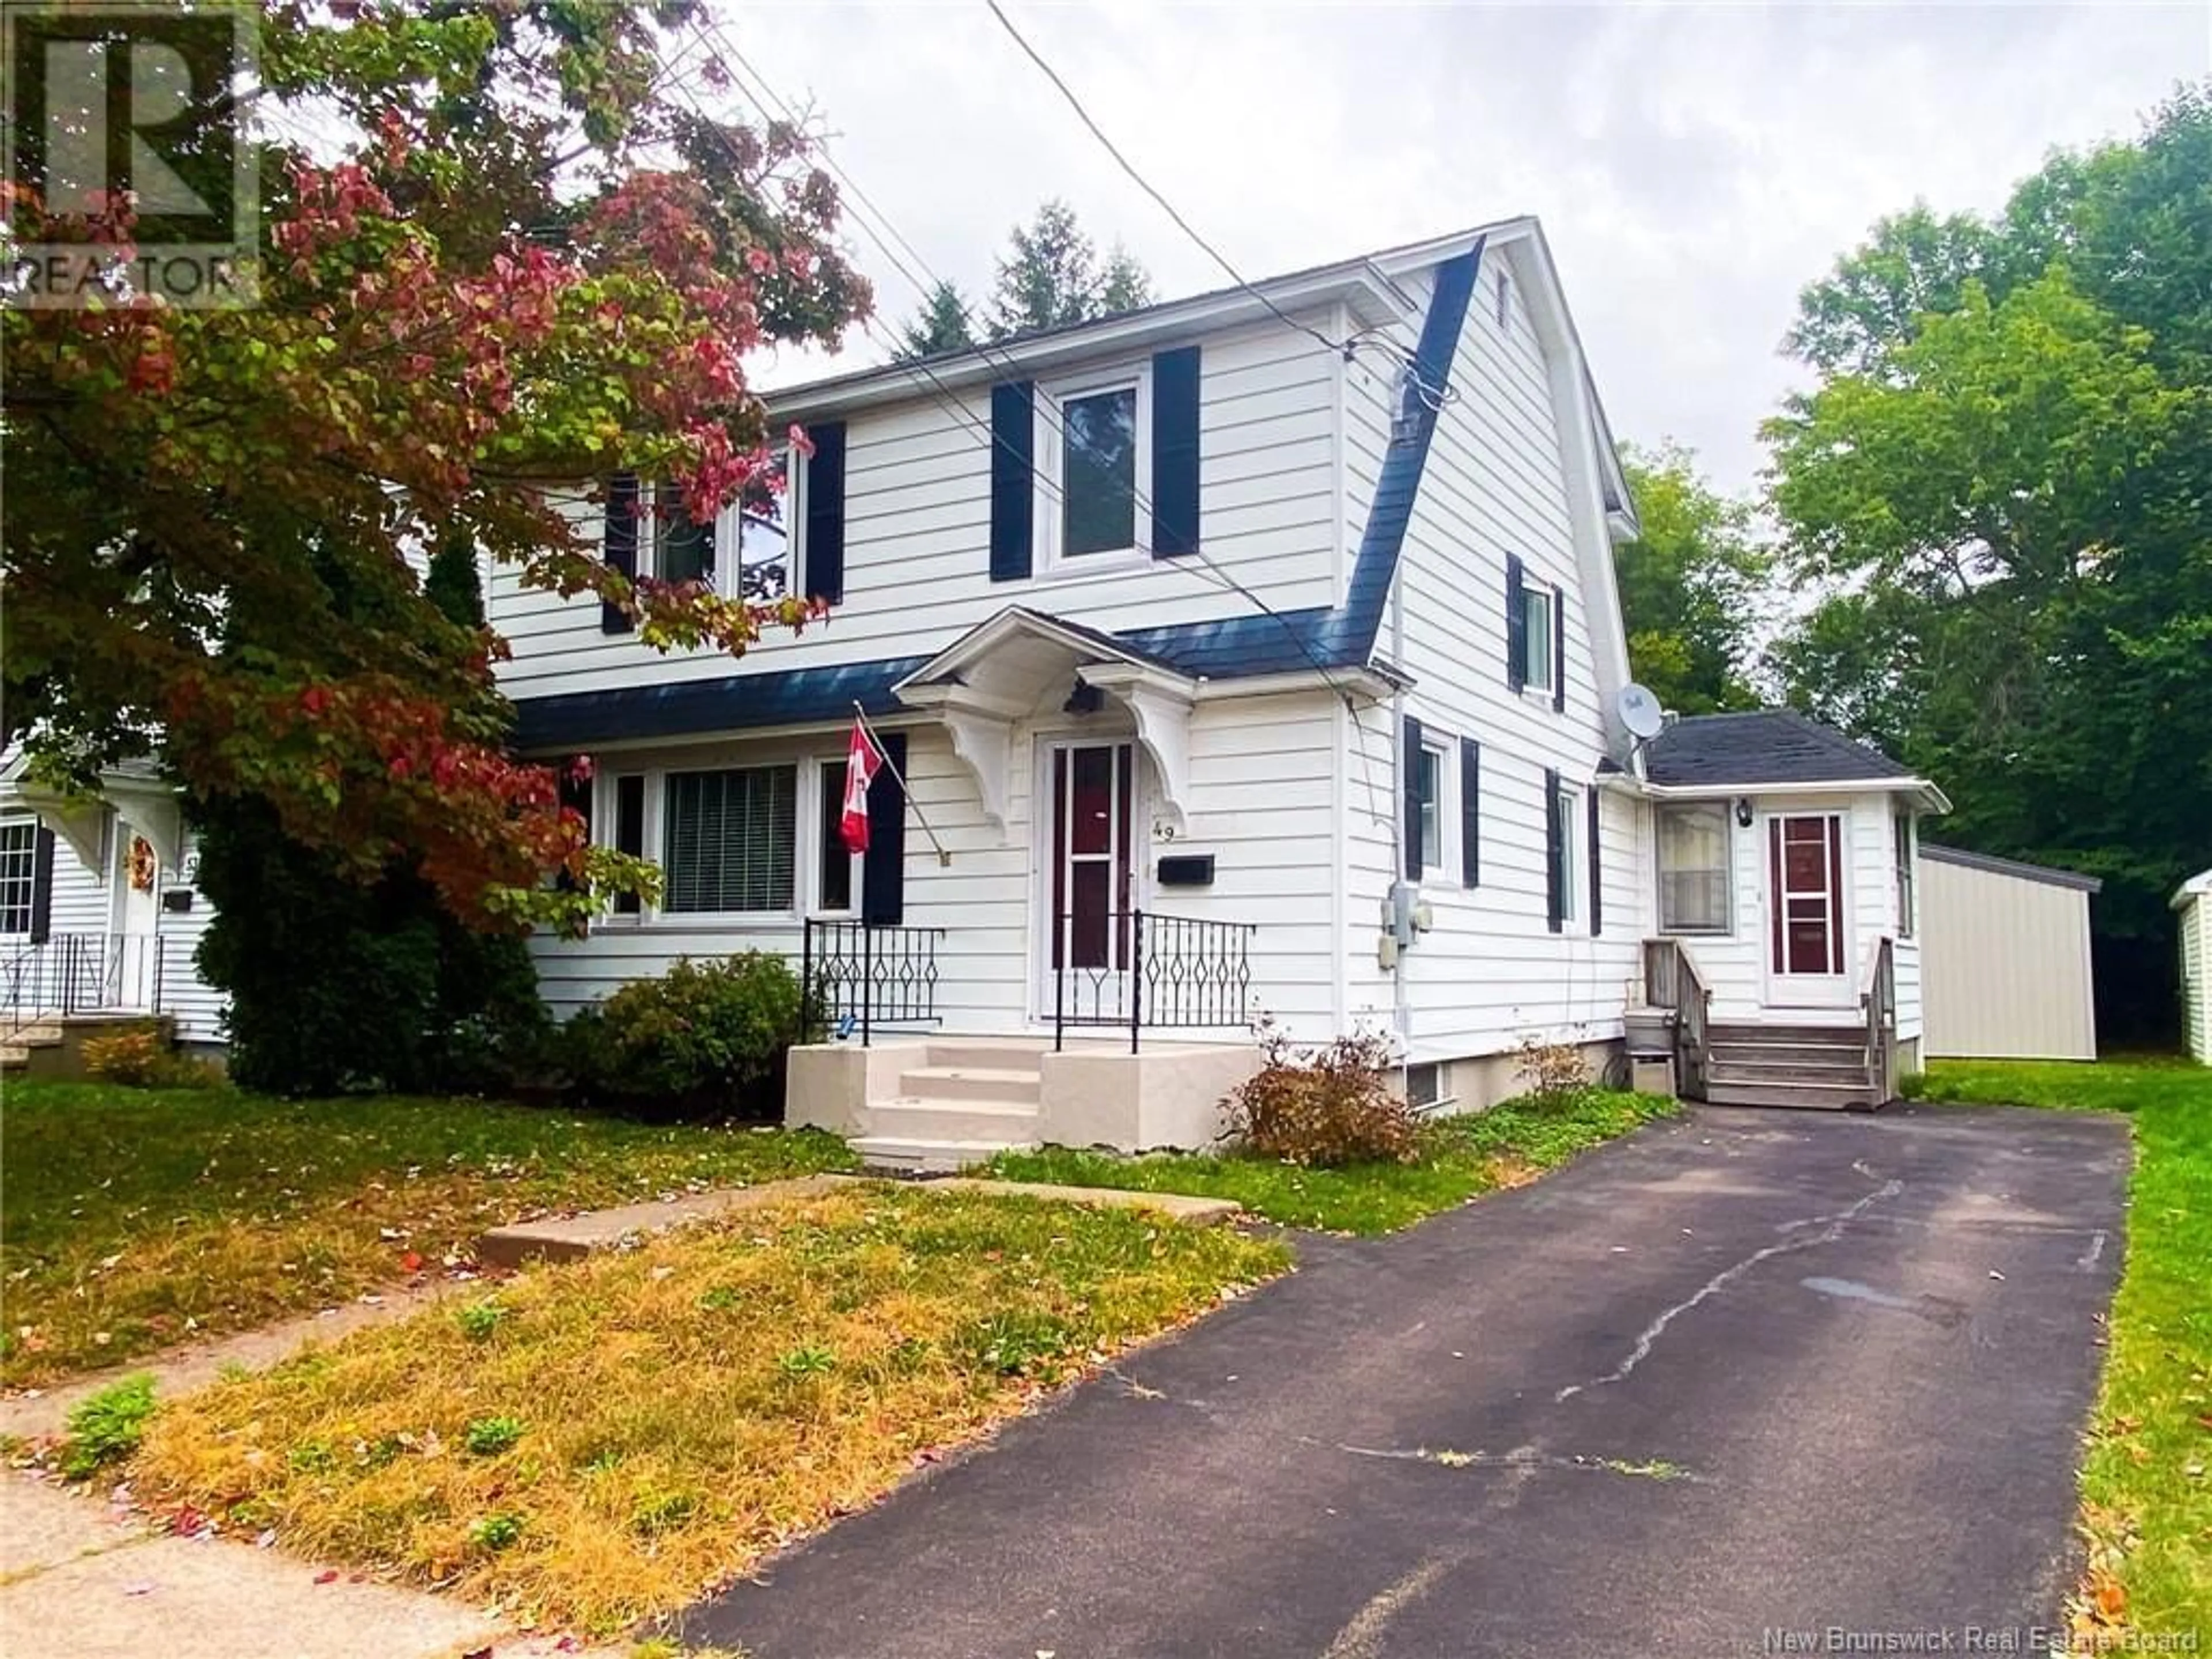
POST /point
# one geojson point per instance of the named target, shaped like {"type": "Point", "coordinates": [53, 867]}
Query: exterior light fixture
{"type": "Point", "coordinates": [1743, 812]}
{"type": "Point", "coordinates": [1406, 424]}
{"type": "Point", "coordinates": [1085, 699]}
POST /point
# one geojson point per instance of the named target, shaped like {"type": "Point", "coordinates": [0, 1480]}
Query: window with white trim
{"type": "Point", "coordinates": [1094, 466]}
{"type": "Point", "coordinates": [729, 841]}
{"type": "Point", "coordinates": [1538, 606]}
{"type": "Point", "coordinates": [1424, 1084]}
{"type": "Point", "coordinates": [1428, 783]}
{"type": "Point", "coordinates": [1693, 868]}
{"type": "Point", "coordinates": [19, 868]}
{"type": "Point", "coordinates": [1571, 851]}
{"type": "Point", "coordinates": [747, 553]}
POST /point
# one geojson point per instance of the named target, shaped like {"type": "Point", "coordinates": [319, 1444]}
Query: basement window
{"type": "Point", "coordinates": [1425, 1084]}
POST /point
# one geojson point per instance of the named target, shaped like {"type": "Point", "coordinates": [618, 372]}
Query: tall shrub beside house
{"type": "Point", "coordinates": [338, 984]}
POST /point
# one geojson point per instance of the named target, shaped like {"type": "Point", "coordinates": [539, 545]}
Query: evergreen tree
{"type": "Point", "coordinates": [1050, 277]}
{"type": "Point", "coordinates": [941, 325]}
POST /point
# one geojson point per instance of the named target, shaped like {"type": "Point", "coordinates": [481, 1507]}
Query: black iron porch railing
{"type": "Point", "coordinates": [1139, 970]}
{"type": "Point", "coordinates": [871, 974]}
{"type": "Point", "coordinates": [79, 974]}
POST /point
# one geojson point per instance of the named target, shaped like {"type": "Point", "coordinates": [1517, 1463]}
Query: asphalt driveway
{"type": "Point", "coordinates": [1736, 1383]}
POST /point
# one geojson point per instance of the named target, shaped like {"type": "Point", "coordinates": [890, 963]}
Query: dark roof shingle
{"type": "Point", "coordinates": [1770, 746]}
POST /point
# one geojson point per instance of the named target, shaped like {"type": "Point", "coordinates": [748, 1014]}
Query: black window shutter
{"type": "Point", "coordinates": [1470, 812]}
{"type": "Point", "coordinates": [620, 545]}
{"type": "Point", "coordinates": [1409, 767]}
{"type": "Point", "coordinates": [1559, 647]}
{"type": "Point", "coordinates": [1555, 853]}
{"type": "Point", "coordinates": [1517, 625]}
{"type": "Point", "coordinates": [629, 831]}
{"type": "Point", "coordinates": [1596, 868]}
{"type": "Point", "coordinates": [42, 884]}
{"type": "Point", "coordinates": [883, 872]}
{"type": "Point", "coordinates": [1013, 480]}
{"type": "Point", "coordinates": [1175, 452]}
{"type": "Point", "coordinates": [575, 795]}
{"type": "Point", "coordinates": [823, 549]}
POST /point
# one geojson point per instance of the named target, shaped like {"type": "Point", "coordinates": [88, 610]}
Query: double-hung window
{"type": "Point", "coordinates": [1537, 607]}
{"type": "Point", "coordinates": [1094, 467]}
{"type": "Point", "coordinates": [1693, 868]}
{"type": "Point", "coordinates": [19, 863]}
{"type": "Point", "coordinates": [729, 841]}
{"type": "Point", "coordinates": [747, 554]}
{"type": "Point", "coordinates": [682, 548]}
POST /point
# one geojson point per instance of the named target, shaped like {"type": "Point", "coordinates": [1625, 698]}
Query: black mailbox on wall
{"type": "Point", "coordinates": [177, 898]}
{"type": "Point", "coordinates": [1187, 869]}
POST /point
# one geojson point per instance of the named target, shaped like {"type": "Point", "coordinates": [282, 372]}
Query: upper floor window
{"type": "Point", "coordinates": [1429, 782]}
{"type": "Point", "coordinates": [19, 839]}
{"type": "Point", "coordinates": [730, 840]}
{"type": "Point", "coordinates": [1094, 465]}
{"type": "Point", "coordinates": [1693, 868]}
{"type": "Point", "coordinates": [747, 554]}
{"type": "Point", "coordinates": [1537, 607]}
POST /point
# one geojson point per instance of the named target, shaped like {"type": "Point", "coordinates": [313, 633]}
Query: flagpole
{"type": "Point", "coordinates": [944, 857]}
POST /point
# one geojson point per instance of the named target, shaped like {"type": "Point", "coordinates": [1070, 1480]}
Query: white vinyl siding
{"type": "Point", "coordinates": [2197, 974]}
{"type": "Point", "coordinates": [917, 534]}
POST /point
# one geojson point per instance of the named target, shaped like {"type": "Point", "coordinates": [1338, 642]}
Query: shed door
{"type": "Point", "coordinates": [1808, 942]}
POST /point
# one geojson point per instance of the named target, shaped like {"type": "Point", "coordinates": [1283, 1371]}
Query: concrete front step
{"type": "Point", "coordinates": [1014, 1053]}
{"type": "Point", "coordinates": [906, 1155]}
{"type": "Point", "coordinates": [1858, 1097]}
{"type": "Point", "coordinates": [1007, 1083]}
{"type": "Point", "coordinates": [940, 1118]}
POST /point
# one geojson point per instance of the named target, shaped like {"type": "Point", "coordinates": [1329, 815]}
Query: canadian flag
{"type": "Point", "coordinates": [862, 760]}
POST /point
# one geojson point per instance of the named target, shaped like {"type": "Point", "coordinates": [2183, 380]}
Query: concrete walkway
{"type": "Point", "coordinates": [1717, 1388]}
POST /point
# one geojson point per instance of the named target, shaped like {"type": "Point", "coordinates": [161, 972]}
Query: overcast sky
{"type": "Point", "coordinates": [1693, 166]}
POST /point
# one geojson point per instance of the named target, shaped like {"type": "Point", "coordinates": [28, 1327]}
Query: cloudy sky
{"type": "Point", "coordinates": [1693, 166]}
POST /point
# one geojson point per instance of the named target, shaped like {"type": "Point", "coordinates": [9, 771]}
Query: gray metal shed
{"type": "Point", "coordinates": [2005, 966]}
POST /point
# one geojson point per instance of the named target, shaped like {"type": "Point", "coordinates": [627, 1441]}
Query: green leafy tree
{"type": "Point", "coordinates": [941, 325]}
{"type": "Point", "coordinates": [1690, 586]}
{"type": "Point", "coordinates": [519, 257]}
{"type": "Point", "coordinates": [1050, 277]}
{"type": "Point", "coordinates": [1999, 487]}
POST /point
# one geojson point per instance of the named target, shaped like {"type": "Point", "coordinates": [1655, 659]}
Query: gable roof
{"type": "Point", "coordinates": [1765, 748]}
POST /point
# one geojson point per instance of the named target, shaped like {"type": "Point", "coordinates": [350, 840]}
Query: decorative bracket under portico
{"type": "Point", "coordinates": [982, 736]}
{"type": "Point", "coordinates": [1161, 703]}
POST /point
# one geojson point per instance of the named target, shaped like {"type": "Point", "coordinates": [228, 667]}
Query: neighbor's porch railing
{"type": "Point", "coordinates": [871, 973]}
{"type": "Point", "coordinates": [79, 974]}
{"type": "Point", "coordinates": [1138, 970]}
{"type": "Point", "coordinates": [1671, 980]}
{"type": "Point", "coordinates": [1879, 1000]}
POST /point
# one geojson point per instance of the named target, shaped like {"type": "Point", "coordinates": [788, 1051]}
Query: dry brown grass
{"type": "Point", "coordinates": [134, 1217]}
{"type": "Point", "coordinates": [680, 1411]}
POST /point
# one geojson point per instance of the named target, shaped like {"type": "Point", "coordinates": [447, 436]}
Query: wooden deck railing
{"type": "Point", "coordinates": [1671, 980]}
{"type": "Point", "coordinates": [1879, 1001]}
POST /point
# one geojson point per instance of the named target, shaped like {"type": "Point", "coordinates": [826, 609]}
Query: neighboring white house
{"type": "Point", "coordinates": [2005, 953]}
{"type": "Point", "coordinates": [1231, 671]}
{"type": "Point", "coordinates": [99, 915]}
{"type": "Point", "coordinates": [2194, 902]}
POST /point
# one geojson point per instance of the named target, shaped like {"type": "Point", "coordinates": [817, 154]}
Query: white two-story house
{"type": "Point", "coordinates": [1253, 654]}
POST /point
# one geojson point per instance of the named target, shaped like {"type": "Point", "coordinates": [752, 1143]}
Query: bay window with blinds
{"type": "Point", "coordinates": [1693, 868]}
{"type": "Point", "coordinates": [729, 841]}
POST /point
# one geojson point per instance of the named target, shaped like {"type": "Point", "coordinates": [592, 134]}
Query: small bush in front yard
{"type": "Point", "coordinates": [141, 1058]}
{"type": "Point", "coordinates": [1553, 1070]}
{"type": "Point", "coordinates": [705, 1036]}
{"type": "Point", "coordinates": [1325, 1109]}
{"type": "Point", "coordinates": [107, 1427]}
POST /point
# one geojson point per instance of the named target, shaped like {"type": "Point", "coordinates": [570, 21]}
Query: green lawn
{"type": "Point", "coordinates": [132, 1217]}
{"type": "Point", "coordinates": [2146, 1487]}
{"type": "Point", "coordinates": [1461, 1157]}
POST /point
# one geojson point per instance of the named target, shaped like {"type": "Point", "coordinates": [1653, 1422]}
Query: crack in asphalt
{"type": "Point", "coordinates": [1832, 1228]}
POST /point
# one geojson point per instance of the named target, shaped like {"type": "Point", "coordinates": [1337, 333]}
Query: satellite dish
{"type": "Point", "coordinates": [1639, 711]}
